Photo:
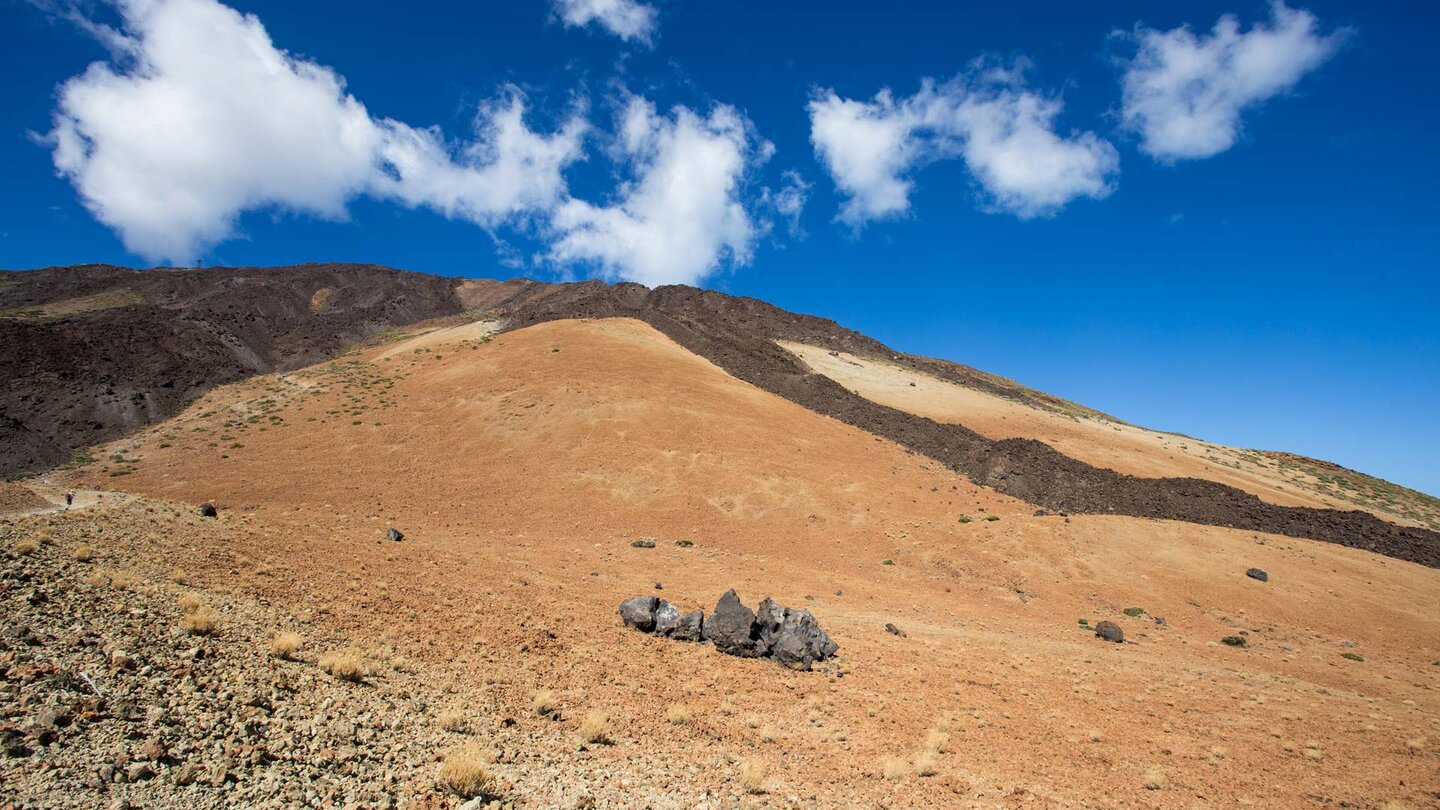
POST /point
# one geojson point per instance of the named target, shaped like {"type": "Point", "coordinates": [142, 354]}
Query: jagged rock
{"type": "Point", "coordinates": [209, 510]}
{"type": "Point", "coordinates": [731, 628]}
{"type": "Point", "coordinates": [1256, 573]}
{"type": "Point", "coordinates": [1110, 631]}
{"type": "Point", "coordinates": [689, 627]}
{"type": "Point", "coordinates": [801, 641]}
{"type": "Point", "coordinates": [792, 637]}
{"type": "Point", "coordinates": [769, 616]}
{"type": "Point", "coordinates": [894, 631]}
{"type": "Point", "coordinates": [643, 542]}
{"type": "Point", "coordinates": [639, 612]}
{"type": "Point", "coordinates": [667, 618]}
{"type": "Point", "coordinates": [394, 534]}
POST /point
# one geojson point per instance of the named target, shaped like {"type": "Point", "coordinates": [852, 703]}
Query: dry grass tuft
{"type": "Point", "coordinates": [98, 578]}
{"type": "Point", "coordinates": [936, 741]}
{"type": "Point", "coordinates": [124, 580]}
{"type": "Point", "coordinates": [1154, 778]}
{"type": "Point", "coordinates": [83, 553]}
{"type": "Point", "coordinates": [544, 702]}
{"type": "Point", "coordinates": [926, 763]}
{"type": "Point", "coordinates": [285, 645]}
{"type": "Point", "coordinates": [189, 602]}
{"type": "Point", "coordinates": [595, 728]}
{"type": "Point", "coordinates": [202, 621]}
{"type": "Point", "coordinates": [753, 773]}
{"type": "Point", "coordinates": [464, 771]}
{"type": "Point", "coordinates": [454, 720]}
{"type": "Point", "coordinates": [678, 714]}
{"type": "Point", "coordinates": [894, 767]}
{"type": "Point", "coordinates": [347, 665]}
{"type": "Point", "coordinates": [25, 547]}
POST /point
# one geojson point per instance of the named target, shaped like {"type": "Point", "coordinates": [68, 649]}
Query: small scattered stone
{"type": "Point", "coordinates": [393, 534]}
{"type": "Point", "coordinates": [894, 631]}
{"type": "Point", "coordinates": [1256, 573]}
{"type": "Point", "coordinates": [643, 542]}
{"type": "Point", "coordinates": [208, 510]}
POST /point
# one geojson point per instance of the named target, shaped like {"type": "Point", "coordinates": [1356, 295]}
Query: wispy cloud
{"type": "Point", "coordinates": [1003, 131]}
{"type": "Point", "coordinates": [626, 19]}
{"type": "Point", "coordinates": [1185, 93]}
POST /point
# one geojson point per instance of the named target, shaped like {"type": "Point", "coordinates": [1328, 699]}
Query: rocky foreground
{"type": "Point", "coordinates": [125, 685]}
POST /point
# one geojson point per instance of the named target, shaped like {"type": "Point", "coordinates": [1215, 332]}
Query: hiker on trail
{"type": "Point", "coordinates": [69, 498]}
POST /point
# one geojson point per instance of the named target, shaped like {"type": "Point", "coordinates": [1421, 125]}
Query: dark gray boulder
{"type": "Point", "coordinates": [1110, 631]}
{"type": "Point", "coordinates": [208, 510]}
{"type": "Point", "coordinates": [1256, 573]}
{"type": "Point", "coordinates": [689, 627]}
{"type": "Point", "coordinates": [801, 641]}
{"type": "Point", "coordinates": [667, 618]}
{"type": "Point", "coordinates": [894, 631]}
{"type": "Point", "coordinates": [731, 628]}
{"type": "Point", "coordinates": [769, 616]}
{"type": "Point", "coordinates": [639, 612]}
{"type": "Point", "coordinates": [394, 534]}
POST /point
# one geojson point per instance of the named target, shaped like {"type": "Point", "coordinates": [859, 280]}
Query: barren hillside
{"type": "Point", "coordinates": [520, 467]}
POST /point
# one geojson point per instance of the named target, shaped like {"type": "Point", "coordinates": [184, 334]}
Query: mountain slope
{"type": "Point", "coordinates": [94, 351]}
{"type": "Point", "coordinates": [521, 464]}
{"type": "Point", "coordinates": [91, 363]}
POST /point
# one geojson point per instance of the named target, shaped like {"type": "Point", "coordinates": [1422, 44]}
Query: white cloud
{"type": "Point", "coordinates": [789, 201]}
{"type": "Point", "coordinates": [509, 172]}
{"type": "Point", "coordinates": [200, 118]}
{"type": "Point", "coordinates": [1184, 93]}
{"type": "Point", "coordinates": [626, 19]}
{"type": "Point", "coordinates": [209, 120]}
{"type": "Point", "coordinates": [866, 147]}
{"type": "Point", "coordinates": [682, 214]}
{"type": "Point", "coordinates": [1003, 132]}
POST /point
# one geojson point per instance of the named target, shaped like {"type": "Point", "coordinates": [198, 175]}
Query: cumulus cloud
{"type": "Point", "coordinates": [208, 119]}
{"type": "Point", "coordinates": [681, 215]}
{"type": "Point", "coordinates": [199, 118]}
{"type": "Point", "coordinates": [1004, 132]}
{"type": "Point", "coordinates": [626, 19]}
{"type": "Point", "coordinates": [1184, 94]}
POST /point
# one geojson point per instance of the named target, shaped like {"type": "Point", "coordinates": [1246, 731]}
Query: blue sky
{"type": "Point", "coordinates": [1228, 233]}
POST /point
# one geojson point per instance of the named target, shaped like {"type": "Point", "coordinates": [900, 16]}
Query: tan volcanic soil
{"type": "Point", "coordinates": [16, 497]}
{"type": "Point", "coordinates": [522, 467]}
{"type": "Point", "coordinates": [1121, 447]}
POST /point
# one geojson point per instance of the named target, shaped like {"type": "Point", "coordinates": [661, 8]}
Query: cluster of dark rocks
{"type": "Point", "coordinates": [791, 638]}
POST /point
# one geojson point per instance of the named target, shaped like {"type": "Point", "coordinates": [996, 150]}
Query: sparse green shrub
{"type": "Point", "coordinates": [1233, 641]}
{"type": "Point", "coordinates": [1132, 612]}
{"type": "Point", "coordinates": [1352, 656]}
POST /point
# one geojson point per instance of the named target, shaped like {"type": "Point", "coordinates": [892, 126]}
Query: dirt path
{"type": "Point", "coordinates": [55, 494]}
